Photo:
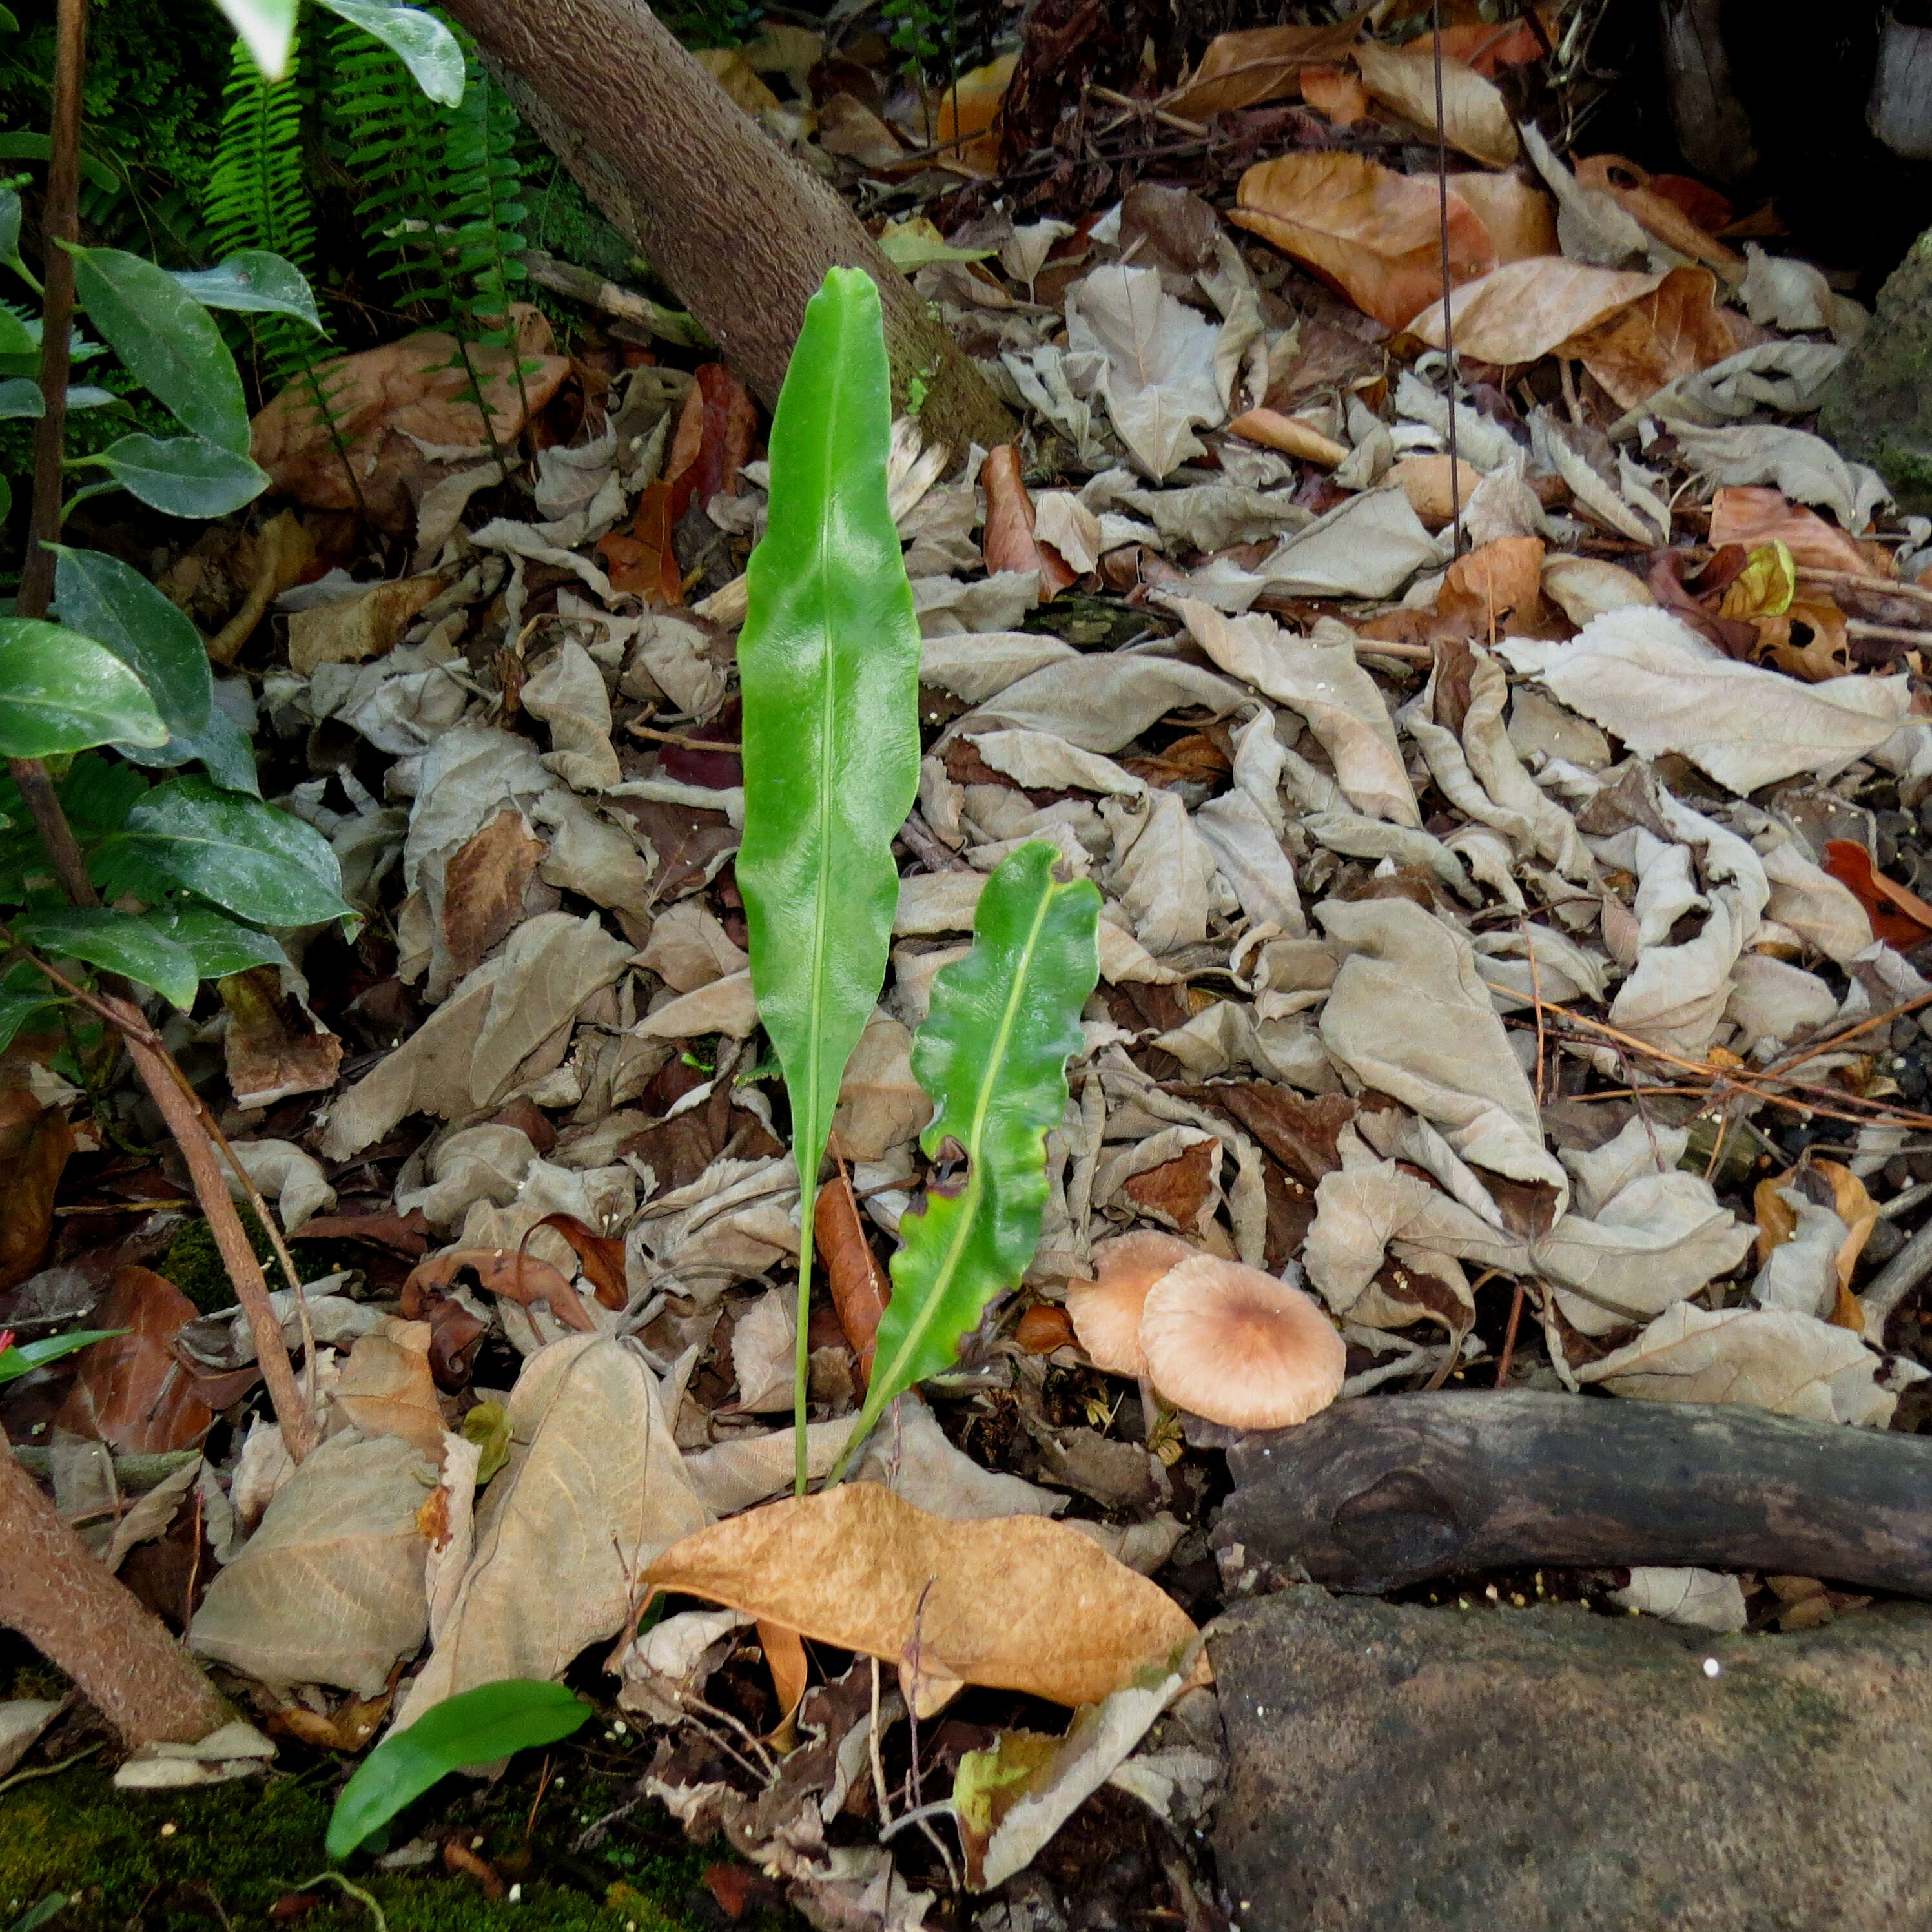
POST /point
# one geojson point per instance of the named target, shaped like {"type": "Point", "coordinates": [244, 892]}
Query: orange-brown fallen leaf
{"type": "Point", "coordinates": [642, 561]}
{"type": "Point", "coordinates": [1476, 119]}
{"type": "Point", "coordinates": [1899, 916]}
{"type": "Point", "coordinates": [1755, 514]}
{"type": "Point", "coordinates": [485, 881]}
{"type": "Point", "coordinates": [713, 441]}
{"type": "Point", "coordinates": [523, 1278]}
{"type": "Point", "coordinates": [969, 118]}
{"type": "Point", "coordinates": [274, 1046]}
{"type": "Point", "coordinates": [860, 1286]}
{"type": "Point", "coordinates": [36, 1143]}
{"type": "Point", "coordinates": [129, 1392]}
{"type": "Point", "coordinates": [1010, 543]}
{"type": "Point", "coordinates": [1498, 590]}
{"type": "Point", "coordinates": [1778, 1223]}
{"type": "Point", "coordinates": [1807, 640]}
{"type": "Point", "coordinates": [1290, 435]}
{"type": "Point", "coordinates": [380, 398]}
{"type": "Point", "coordinates": [1525, 309]}
{"type": "Point", "coordinates": [1015, 1604]}
{"type": "Point", "coordinates": [1676, 330]}
{"type": "Point", "coordinates": [1372, 233]}
{"type": "Point", "coordinates": [1337, 92]}
{"type": "Point", "coordinates": [1520, 217]}
{"type": "Point", "coordinates": [1043, 1328]}
{"type": "Point", "coordinates": [1424, 481]}
{"type": "Point", "coordinates": [784, 1657]}
{"type": "Point", "coordinates": [386, 1387]}
{"type": "Point", "coordinates": [1658, 214]}
{"type": "Point", "coordinates": [1487, 48]}
{"type": "Point", "coordinates": [1258, 64]}
{"type": "Point", "coordinates": [600, 1257]}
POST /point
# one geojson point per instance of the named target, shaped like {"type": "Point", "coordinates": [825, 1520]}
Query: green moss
{"type": "Point", "coordinates": [246, 1844]}
{"type": "Point", "coordinates": [194, 1263]}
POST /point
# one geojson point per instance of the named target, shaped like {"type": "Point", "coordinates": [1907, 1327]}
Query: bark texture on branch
{"type": "Point", "coordinates": [742, 232]}
{"type": "Point", "coordinates": [57, 1593]}
{"type": "Point", "coordinates": [1388, 1490]}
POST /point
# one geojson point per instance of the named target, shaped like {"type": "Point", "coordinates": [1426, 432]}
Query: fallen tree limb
{"type": "Point", "coordinates": [653, 319]}
{"type": "Point", "coordinates": [742, 231]}
{"type": "Point", "coordinates": [1374, 1494]}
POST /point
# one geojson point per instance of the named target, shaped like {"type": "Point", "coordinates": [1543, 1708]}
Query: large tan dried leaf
{"type": "Point", "coordinates": [1374, 234]}
{"type": "Point", "coordinates": [484, 886]}
{"type": "Point", "coordinates": [1476, 119]}
{"type": "Point", "coordinates": [1521, 218]}
{"type": "Point", "coordinates": [386, 1387]}
{"type": "Point", "coordinates": [353, 629]}
{"type": "Point", "coordinates": [1498, 590]}
{"type": "Point", "coordinates": [1525, 309]}
{"type": "Point", "coordinates": [595, 1488]}
{"type": "Point", "coordinates": [1629, 187]}
{"type": "Point", "coordinates": [1754, 516]}
{"type": "Point", "coordinates": [329, 1589]}
{"type": "Point", "coordinates": [1675, 331]}
{"type": "Point", "coordinates": [1244, 69]}
{"type": "Point", "coordinates": [1017, 1604]}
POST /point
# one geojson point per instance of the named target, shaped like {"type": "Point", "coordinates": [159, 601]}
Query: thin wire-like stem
{"type": "Point", "coordinates": [1448, 319]}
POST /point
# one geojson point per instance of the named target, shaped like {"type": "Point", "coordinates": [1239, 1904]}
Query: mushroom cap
{"type": "Point", "coordinates": [1237, 1347]}
{"type": "Point", "coordinates": [1106, 1311]}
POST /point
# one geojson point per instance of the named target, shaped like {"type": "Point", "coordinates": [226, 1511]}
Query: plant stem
{"type": "Point", "coordinates": [60, 221]}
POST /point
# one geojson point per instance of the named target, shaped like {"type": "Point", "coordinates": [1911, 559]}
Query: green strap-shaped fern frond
{"type": "Point", "coordinates": [829, 661]}
{"type": "Point", "coordinates": [991, 1057]}
{"type": "Point", "coordinates": [483, 184]}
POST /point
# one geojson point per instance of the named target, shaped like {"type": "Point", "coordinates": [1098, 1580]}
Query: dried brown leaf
{"type": "Point", "coordinates": [483, 887]}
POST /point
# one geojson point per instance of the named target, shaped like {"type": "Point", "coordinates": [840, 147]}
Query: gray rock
{"type": "Point", "coordinates": [1877, 407]}
{"type": "Point", "coordinates": [1550, 1770]}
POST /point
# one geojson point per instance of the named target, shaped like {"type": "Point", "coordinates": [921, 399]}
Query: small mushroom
{"type": "Point", "coordinates": [1106, 1311]}
{"type": "Point", "coordinates": [1237, 1347]}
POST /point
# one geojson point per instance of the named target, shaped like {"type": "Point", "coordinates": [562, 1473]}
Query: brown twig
{"type": "Point", "coordinates": [1508, 1354]}
{"type": "Point", "coordinates": [1854, 580]}
{"type": "Point", "coordinates": [1856, 627]}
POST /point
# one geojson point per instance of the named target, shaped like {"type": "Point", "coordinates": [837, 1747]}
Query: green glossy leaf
{"type": "Point", "coordinates": [17, 338]}
{"type": "Point", "coordinates": [10, 234]}
{"type": "Point", "coordinates": [166, 339]}
{"type": "Point", "coordinates": [60, 691]}
{"type": "Point", "coordinates": [247, 857]}
{"type": "Point", "coordinates": [111, 602]}
{"type": "Point", "coordinates": [21, 1011]}
{"type": "Point", "coordinates": [268, 31]}
{"type": "Point", "coordinates": [253, 280]}
{"type": "Point", "coordinates": [421, 41]}
{"type": "Point", "coordinates": [25, 1356]}
{"type": "Point", "coordinates": [26, 147]}
{"type": "Point", "coordinates": [20, 396]}
{"type": "Point", "coordinates": [474, 1727]}
{"type": "Point", "coordinates": [991, 1057]}
{"type": "Point", "coordinates": [116, 942]}
{"type": "Point", "coordinates": [829, 662]}
{"type": "Point", "coordinates": [219, 945]}
{"type": "Point", "coordinates": [185, 475]}
{"type": "Point", "coordinates": [221, 746]}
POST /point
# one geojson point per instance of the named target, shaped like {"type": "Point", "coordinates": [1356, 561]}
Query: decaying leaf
{"type": "Point", "coordinates": [386, 1388]}
{"type": "Point", "coordinates": [1475, 118]}
{"type": "Point", "coordinates": [1019, 1604]}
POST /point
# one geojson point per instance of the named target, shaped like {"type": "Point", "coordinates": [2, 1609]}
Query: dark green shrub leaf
{"type": "Point", "coordinates": [25, 1007]}
{"type": "Point", "coordinates": [16, 338]}
{"type": "Point", "coordinates": [116, 942]}
{"type": "Point", "coordinates": [474, 1727]}
{"type": "Point", "coordinates": [254, 279]}
{"type": "Point", "coordinates": [10, 229]}
{"type": "Point", "coordinates": [21, 1360]}
{"type": "Point", "coordinates": [829, 661]}
{"type": "Point", "coordinates": [184, 475]}
{"type": "Point", "coordinates": [60, 691]}
{"type": "Point", "coordinates": [992, 1057]}
{"type": "Point", "coordinates": [247, 857]}
{"type": "Point", "coordinates": [221, 744]}
{"type": "Point", "coordinates": [104, 599]}
{"type": "Point", "coordinates": [166, 339]}
{"type": "Point", "coordinates": [421, 41]}
{"type": "Point", "coordinates": [218, 944]}
{"type": "Point", "coordinates": [20, 396]}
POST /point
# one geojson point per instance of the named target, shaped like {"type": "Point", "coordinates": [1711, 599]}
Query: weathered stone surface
{"type": "Point", "coordinates": [1550, 1770]}
{"type": "Point", "coordinates": [1877, 407]}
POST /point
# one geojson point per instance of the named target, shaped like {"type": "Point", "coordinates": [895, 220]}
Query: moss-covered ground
{"type": "Point", "coordinates": [228, 1856]}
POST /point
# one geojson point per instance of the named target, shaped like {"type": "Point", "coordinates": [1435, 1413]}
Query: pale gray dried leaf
{"type": "Point", "coordinates": [1040, 761]}
{"type": "Point", "coordinates": [1699, 1599]}
{"type": "Point", "coordinates": [1824, 912]}
{"type": "Point", "coordinates": [910, 1454]}
{"type": "Point", "coordinates": [329, 1589]}
{"type": "Point", "coordinates": [1370, 545]}
{"type": "Point", "coordinates": [946, 607]}
{"type": "Point", "coordinates": [1771, 1000]}
{"type": "Point", "coordinates": [1162, 875]}
{"type": "Point", "coordinates": [1359, 837]}
{"type": "Point", "coordinates": [1583, 587]}
{"type": "Point", "coordinates": [22, 1721]}
{"type": "Point", "coordinates": [594, 1491]}
{"type": "Point", "coordinates": [1160, 378]}
{"type": "Point", "coordinates": [1789, 1364]}
{"type": "Point", "coordinates": [592, 854]}
{"type": "Point", "coordinates": [1805, 467]}
{"type": "Point", "coordinates": [763, 1340]}
{"type": "Point", "coordinates": [1800, 1273]}
{"type": "Point", "coordinates": [880, 1105]}
{"type": "Point", "coordinates": [689, 948]}
{"type": "Point", "coordinates": [568, 694]}
{"type": "Point", "coordinates": [1788, 377]}
{"type": "Point", "coordinates": [286, 1175]}
{"type": "Point", "coordinates": [1649, 678]}
{"type": "Point", "coordinates": [1783, 293]}
{"type": "Point", "coordinates": [1591, 225]}
{"type": "Point", "coordinates": [1103, 703]}
{"type": "Point", "coordinates": [487, 1162]}
{"type": "Point", "coordinates": [726, 1006]}
{"type": "Point", "coordinates": [977, 665]}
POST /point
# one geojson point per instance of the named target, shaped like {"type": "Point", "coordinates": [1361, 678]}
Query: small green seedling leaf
{"type": "Point", "coordinates": [421, 41]}
{"type": "Point", "coordinates": [116, 942]}
{"type": "Point", "coordinates": [60, 691]}
{"type": "Point", "coordinates": [167, 340]}
{"type": "Point", "coordinates": [991, 1057]}
{"type": "Point", "coordinates": [20, 397]}
{"type": "Point", "coordinates": [268, 31]}
{"type": "Point", "coordinates": [16, 1361]}
{"type": "Point", "coordinates": [474, 1727]}
{"type": "Point", "coordinates": [248, 858]}
{"type": "Point", "coordinates": [829, 661]}
{"type": "Point", "coordinates": [104, 599]}
{"type": "Point", "coordinates": [182, 475]}
{"type": "Point", "coordinates": [255, 280]}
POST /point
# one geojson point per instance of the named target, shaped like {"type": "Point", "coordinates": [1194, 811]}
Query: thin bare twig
{"type": "Point", "coordinates": [1448, 317]}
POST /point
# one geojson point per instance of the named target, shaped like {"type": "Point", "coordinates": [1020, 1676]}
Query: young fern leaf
{"type": "Point", "coordinates": [991, 1057]}
{"type": "Point", "coordinates": [829, 663]}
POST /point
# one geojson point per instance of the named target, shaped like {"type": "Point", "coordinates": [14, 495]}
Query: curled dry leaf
{"type": "Point", "coordinates": [1010, 542]}
{"type": "Point", "coordinates": [1899, 917]}
{"type": "Point", "coordinates": [523, 1278]}
{"type": "Point", "coordinates": [1630, 188]}
{"type": "Point", "coordinates": [1754, 517]}
{"type": "Point", "coordinates": [1476, 119]}
{"type": "Point", "coordinates": [1017, 1604]}
{"type": "Point", "coordinates": [1526, 308]}
{"type": "Point", "coordinates": [130, 1391]}
{"type": "Point", "coordinates": [1337, 92]}
{"type": "Point", "coordinates": [1373, 233]}
{"type": "Point", "coordinates": [352, 630]}
{"type": "Point", "coordinates": [386, 1387]}
{"type": "Point", "coordinates": [860, 1286]}
{"type": "Point", "coordinates": [1675, 331]}
{"type": "Point", "coordinates": [36, 1143]}
{"type": "Point", "coordinates": [274, 1047]}
{"type": "Point", "coordinates": [1290, 435]}
{"type": "Point", "coordinates": [1244, 69]}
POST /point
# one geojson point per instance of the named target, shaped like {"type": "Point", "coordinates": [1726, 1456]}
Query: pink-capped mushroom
{"type": "Point", "coordinates": [1106, 1311]}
